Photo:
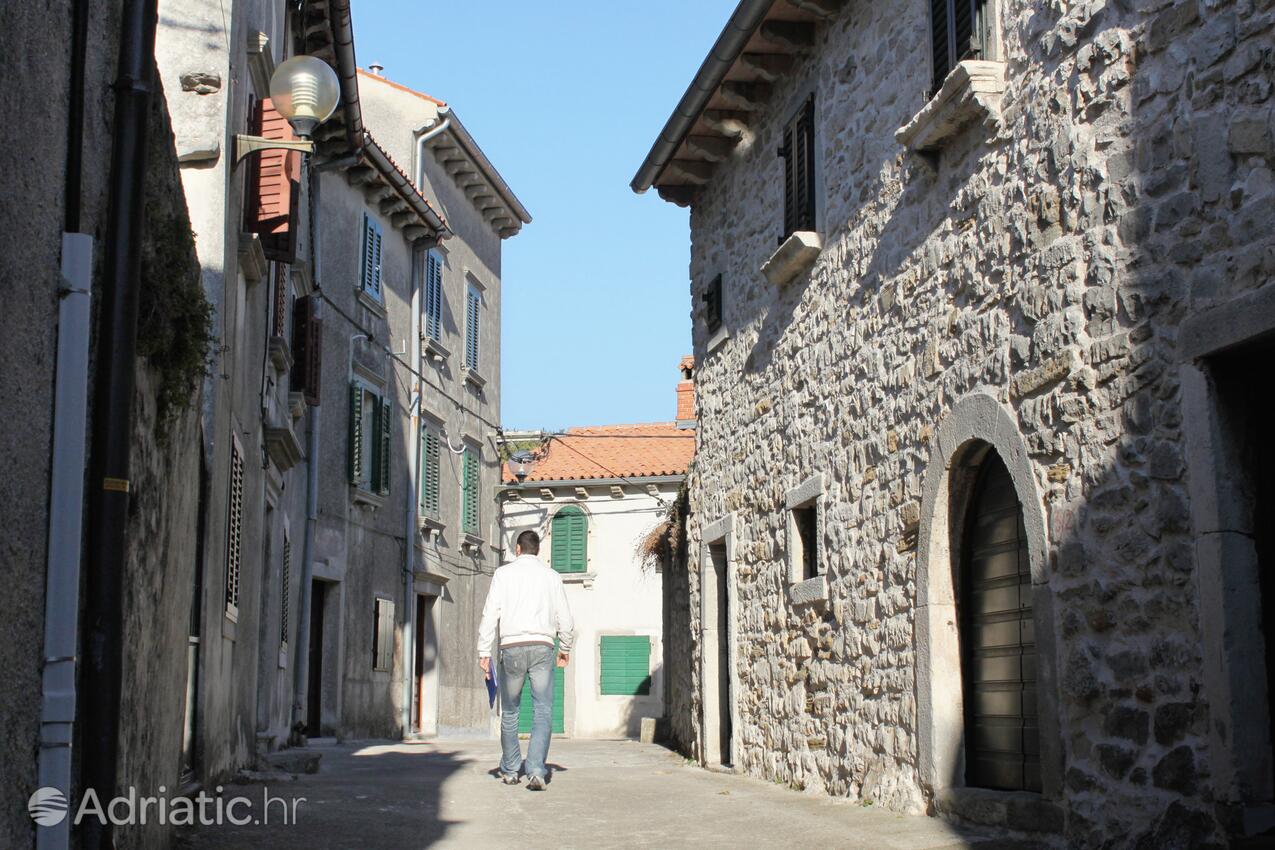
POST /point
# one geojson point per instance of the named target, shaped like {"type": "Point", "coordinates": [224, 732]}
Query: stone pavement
{"type": "Point", "coordinates": [604, 794]}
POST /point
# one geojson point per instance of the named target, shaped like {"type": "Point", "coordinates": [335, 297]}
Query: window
{"type": "Point", "coordinates": [285, 595]}
{"type": "Point", "coordinates": [383, 636]}
{"type": "Point", "coordinates": [469, 491]}
{"type": "Point", "coordinates": [798, 153]}
{"type": "Point", "coordinates": [805, 523]}
{"type": "Point", "coordinates": [712, 298]}
{"type": "Point", "coordinates": [307, 349]}
{"type": "Point", "coordinates": [429, 473]}
{"type": "Point", "coordinates": [234, 528]}
{"type": "Point", "coordinates": [958, 30]}
{"type": "Point", "coordinates": [626, 665]}
{"type": "Point", "coordinates": [370, 270]}
{"type": "Point", "coordinates": [434, 295]}
{"type": "Point", "coordinates": [369, 445]}
{"type": "Point", "coordinates": [804, 531]}
{"type": "Point", "coordinates": [473, 303]}
{"type": "Point", "coordinates": [569, 540]}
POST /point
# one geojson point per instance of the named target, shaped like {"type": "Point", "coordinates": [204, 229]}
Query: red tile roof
{"type": "Point", "coordinates": [380, 79]}
{"type": "Point", "coordinates": [613, 451]}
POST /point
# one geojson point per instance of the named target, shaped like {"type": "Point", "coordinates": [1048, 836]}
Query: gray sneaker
{"type": "Point", "coordinates": [510, 778]}
{"type": "Point", "coordinates": [536, 783]}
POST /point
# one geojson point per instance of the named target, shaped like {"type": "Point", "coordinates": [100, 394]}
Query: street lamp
{"type": "Point", "coordinates": [305, 91]}
{"type": "Point", "coordinates": [520, 465]}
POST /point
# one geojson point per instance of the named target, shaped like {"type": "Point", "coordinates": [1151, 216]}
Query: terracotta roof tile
{"type": "Point", "coordinates": [613, 451]}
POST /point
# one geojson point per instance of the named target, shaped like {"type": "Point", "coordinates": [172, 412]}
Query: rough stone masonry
{"type": "Point", "coordinates": [1047, 261]}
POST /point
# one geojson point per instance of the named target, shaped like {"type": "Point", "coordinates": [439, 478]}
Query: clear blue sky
{"type": "Point", "coordinates": [566, 98]}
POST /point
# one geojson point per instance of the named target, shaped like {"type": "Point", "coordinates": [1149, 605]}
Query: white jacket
{"type": "Point", "coordinates": [528, 601]}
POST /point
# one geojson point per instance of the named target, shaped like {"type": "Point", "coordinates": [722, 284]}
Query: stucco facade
{"type": "Point", "coordinates": [1020, 275]}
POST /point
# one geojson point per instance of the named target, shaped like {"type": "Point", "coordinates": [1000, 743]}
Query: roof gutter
{"type": "Point", "coordinates": [748, 15]}
{"type": "Point", "coordinates": [539, 484]}
{"type": "Point", "coordinates": [347, 70]}
{"type": "Point", "coordinates": [466, 141]}
{"type": "Point", "coordinates": [378, 159]}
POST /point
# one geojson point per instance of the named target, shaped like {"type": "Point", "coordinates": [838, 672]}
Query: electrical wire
{"type": "Point", "coordinates": [617, 475]}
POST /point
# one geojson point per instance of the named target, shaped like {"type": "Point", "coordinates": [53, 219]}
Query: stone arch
{"type": "Point", "coordinates": [977, 424]}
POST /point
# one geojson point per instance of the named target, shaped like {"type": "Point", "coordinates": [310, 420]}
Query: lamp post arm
{"type": "Point", "coordinates": [245, 145]}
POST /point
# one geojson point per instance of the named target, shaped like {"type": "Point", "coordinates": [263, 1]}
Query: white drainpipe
{"type": "Point", "coordinates": [66, 516]}
{"type": "Point", "coordinates": [413, 456]}
{"type": "Point", "coordinates": [421, 141]}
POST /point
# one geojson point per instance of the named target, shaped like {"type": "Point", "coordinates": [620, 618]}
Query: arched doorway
{"type": "Point", "coordinates": [997, 636]}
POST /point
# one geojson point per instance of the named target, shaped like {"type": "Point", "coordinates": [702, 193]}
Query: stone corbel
{"type": "Point", "coordinates": [793, 258]}
{"type": "Point", "coordinates": [971, 93]}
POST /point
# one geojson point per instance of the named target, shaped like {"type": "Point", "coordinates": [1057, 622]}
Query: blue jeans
{"type": "Point", "coordinates": [518, 663]}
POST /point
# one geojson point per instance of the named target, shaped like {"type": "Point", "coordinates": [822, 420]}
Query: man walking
{"type": "Point", "coordinates": [528, 602]}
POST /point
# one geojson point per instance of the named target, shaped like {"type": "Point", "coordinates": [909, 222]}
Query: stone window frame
{"type": "Point", "coordinates": [721, 533]}
{"type": "Point", "coordinates": [808, 494]}
{"type": "Point", "coordinates": [797, 253]}
{"type": "Point", "coordinates": [716, 335]}
{"type": "Point", "coordinates": [976, 421]}
{"type": "Point", "coordinates": [546, 540]}
{"type": "Point", "coordinates": [1226, 563]}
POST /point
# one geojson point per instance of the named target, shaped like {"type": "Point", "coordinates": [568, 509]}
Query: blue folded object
{"type": "Point", "coordinates": [491, 688]}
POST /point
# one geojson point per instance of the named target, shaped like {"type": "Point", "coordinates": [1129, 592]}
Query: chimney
{"type": "Point", "coordinates": [686, 393]}
{"type": "Point", "coordinates": [377, 68]}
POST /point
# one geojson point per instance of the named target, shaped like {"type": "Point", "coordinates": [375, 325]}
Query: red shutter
{"type": "Point", "coordinates": [274, 193]}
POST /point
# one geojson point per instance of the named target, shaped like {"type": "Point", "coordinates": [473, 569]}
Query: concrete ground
{"type": "Point", "coordinates": [604, 794]}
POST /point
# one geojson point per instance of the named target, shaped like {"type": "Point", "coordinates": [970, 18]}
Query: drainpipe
{"type": "Point", "coordinates": [421, 141]}
{"type": "Point", "coordinates": [413, 473]}
{"type": "Point", "coordinates": [113, 409]}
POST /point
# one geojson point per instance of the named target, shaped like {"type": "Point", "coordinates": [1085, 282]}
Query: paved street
{"type": "Point", "coordinates": [604, 794]}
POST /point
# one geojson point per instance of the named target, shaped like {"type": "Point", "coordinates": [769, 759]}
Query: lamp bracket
{"type": "Point", "coordinates": [245, 145]}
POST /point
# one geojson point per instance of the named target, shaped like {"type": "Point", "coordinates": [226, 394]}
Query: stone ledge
{"type": "Point", "coordinates": [717, 340]}
{"type": "Point", "coordinates": [1022, 811]}
{"type": "Point", "coordinates": [812, 591]}
{"type": "Point", "coordinates": [252, 257]}
{"type": "Point", "coordinates": [795, 256]}
{"type": "Point", "coordinates": [971, 92]}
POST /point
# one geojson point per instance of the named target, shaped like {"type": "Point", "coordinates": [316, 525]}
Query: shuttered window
{"type": "Point", "coordinates": [274, 186]}
{"type": "Point", "coordinates": [285, 592]}
{"type": "Point", "coordinates": [959, 29]}
{"type": "Point", "coordinates": [712, 297]}
{"type": "Point", "coordinates": [798, 152]}
{"type": "Point", "coordinates": [434, 295]}
{"type": "Point", "coordinates": [569, 540]}
{"type": "Point", "coordinates": [370, 443]}
{"type": "Point", "coordinates": [429, 473]}
{"type": "Point", "coordinates": [370, 269]}
{"type": "Point", "coordinates": [307, 349]}
{"type": "Point", "coordinates": [234, 527]}
{"type": "Point", "coordinates": [626, 665]}
{"type": "Point", "coordinates": [383, 636]}
{"type": "Point", "coordinates": [473, 303]}
{"type": "Point", "coordinates": [469, 491]}
{"type": "Point", "coordinates": [998, 645]}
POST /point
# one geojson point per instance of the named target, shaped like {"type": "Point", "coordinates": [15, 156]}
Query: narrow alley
{"type": "Point", "coordinates": [604, 794]}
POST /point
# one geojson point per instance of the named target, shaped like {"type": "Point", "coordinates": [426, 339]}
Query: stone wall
{"type": "Point", "coordinates": [1047, 262]}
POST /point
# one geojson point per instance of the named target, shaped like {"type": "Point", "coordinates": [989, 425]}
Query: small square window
{"type": "Point", "coordinates": [712, 298]}
{"type": "Point", "coordinates": [805, 541]}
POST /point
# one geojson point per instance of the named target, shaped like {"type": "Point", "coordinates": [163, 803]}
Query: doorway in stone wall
{"type": "Point", "coordinates": [718, 696]}
{"type": "Point", "coordinates": [425, 668]}
{"type": "Point", "coordinates": [314, 673]}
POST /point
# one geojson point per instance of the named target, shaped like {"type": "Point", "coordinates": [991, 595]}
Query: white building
{"type": "Point", "coordinates": [595, 495]}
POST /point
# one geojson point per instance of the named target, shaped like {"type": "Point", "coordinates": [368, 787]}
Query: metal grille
{"type": "Point", "coordinates": [234, 527]}
{"type": "Point", "coordinates": [285, 599]}
{"type": "Point", "coordinates": [282, 291]}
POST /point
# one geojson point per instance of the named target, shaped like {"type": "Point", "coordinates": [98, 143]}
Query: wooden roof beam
{"type": "Point", "coordinates": [792, 36]}
{"type": "Point", "coordinates": [682, 196]}
{"type": "Point", "coordinates": [729, 124]}
{"type": "Point", "coordinates": [711, 148]}
{"type": "Point", "coordinates": [748, 97]}
{"type": "Point", "coordinates": [690, 170]}
{"type": "Point", "coordinates": [824, 9]}
{"type": "Point", "coordinates": [767, 66]}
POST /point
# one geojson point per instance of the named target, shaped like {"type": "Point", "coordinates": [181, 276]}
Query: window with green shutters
{"type": "Point", "coordinates": [434, 295]}
{"type": "Point", "coordinates": [370, 269]}
{"type": "Point", "coordinates": [569, 540]}
{"type": "Point", "coordinates": [429, 473]}
{"type": "Point", "coordinates": [473, 303]}
{"type": "Point", "coordinates": [626, 665]}
{"type": "Point", "coordinates": [469, 491]}
{"type": "Point", "coordinates": [370, 439]}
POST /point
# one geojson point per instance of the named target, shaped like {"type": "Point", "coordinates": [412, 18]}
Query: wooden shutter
{"type": "Point", "coordinates": [274, 186]}
{"type": "Point", "coordinates": [626, 665]}
{"type": "Point", "coordinates": [370, 270]}
{"type": "Point", "coordinates": [473, 303]}
{"type": "Point", "coordinates": [285, 592]}
{"type": "Point", "coordinates": [433, 296]}
{"type": "Point", "coordinates": [234, 527]}
{"type": "Point", "coordinates": [569, 533]}
{"type": "Point", "coordinates": [383, 469]}
{"type": "Point", "coordinates": [798, 152]}
{"type": "Point", "coordinates": [1002, 737]}
{"type": "Point", "coordinates": [790, 185]}
{"type": "Point", "coordinates": [469, 492]}
{"type": "Point", "coordinates": [940, 38]}
{"type": "Point", "coordinates": [429, 472]}
{"type": "Point", "coordinates": [307, 349]}
{"type": "Point", "coordinates": [383, 635]}
{"type": "Point", "coordinates": [356, 433]}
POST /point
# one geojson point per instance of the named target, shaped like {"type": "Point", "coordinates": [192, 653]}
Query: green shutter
{"type": "Point", "coordinates": [429, 473]}
{"type": "Point", "coordinates": [473, 304]}
{"type": "Point", "coordinates": [434, 296]}
{"type": "Point", "coordinates": [626, 665]}
{"type": "Point", "coordinates": [370, 270]}
{"type": "Point", "coordinates": [382, 482]}
{"type": "Point", "coordinates": [356, 433]}
{"type": "Point", "coordinates": [469, 493]}
{"type": "Point", "coordinates": [569, 534]}
{"type": "Point", "coordinates": [558, 719]}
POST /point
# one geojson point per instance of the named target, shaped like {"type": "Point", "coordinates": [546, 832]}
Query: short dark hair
{"type": "Point", "coordinates": [529, 542]}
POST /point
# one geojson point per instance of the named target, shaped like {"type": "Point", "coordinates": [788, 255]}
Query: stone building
{"type": "Point", "coordinates": [597, 495]}
{"type": "Point", "coordinates": [981, 293]}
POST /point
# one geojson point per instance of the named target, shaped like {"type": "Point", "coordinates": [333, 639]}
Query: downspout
{"type": "Point", "coordinates": [66, 485]}
{"type": "Point", "coordinates": [422, 139]}
{"type": "Point", "coordinates": [113, 409]}
{"type": "Point", "coordinates": [413, 473]}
